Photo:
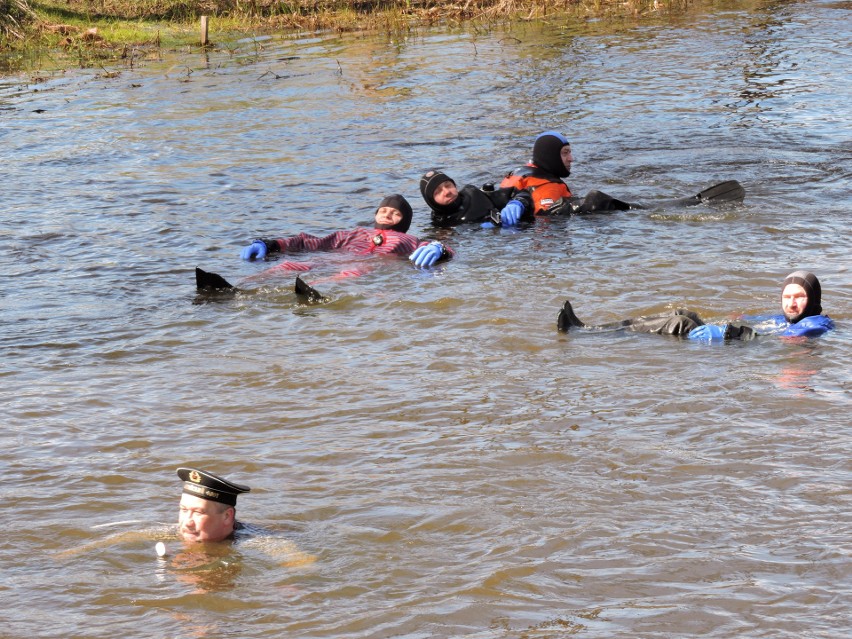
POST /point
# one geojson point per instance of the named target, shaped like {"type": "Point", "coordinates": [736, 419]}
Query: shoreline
{"type": "Point", "coordinates": [72, 34]}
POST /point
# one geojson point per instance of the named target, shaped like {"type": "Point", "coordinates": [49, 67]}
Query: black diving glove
{"type": "Point", "coordinates": [740, 332]}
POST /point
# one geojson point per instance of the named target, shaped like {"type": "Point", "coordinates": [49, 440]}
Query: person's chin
{"type": "Point", "coordinates": [190, 536]}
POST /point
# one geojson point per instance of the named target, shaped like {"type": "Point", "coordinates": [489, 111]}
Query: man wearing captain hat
{"type": "Point", "coordinates": [208, 506]}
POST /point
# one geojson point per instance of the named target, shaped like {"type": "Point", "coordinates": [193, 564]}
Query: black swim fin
{"type": "Point", "coordinates": [567, 319]}
{"type": "Point", "coordinates": [206, 281]}
{"type": "Point", "coordinates": [730, 191]}
{"type": "Point", "coordinates": [312, 295]}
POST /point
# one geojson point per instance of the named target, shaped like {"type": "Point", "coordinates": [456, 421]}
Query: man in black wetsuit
{"type": "Point", "coordinates": [451, 206]}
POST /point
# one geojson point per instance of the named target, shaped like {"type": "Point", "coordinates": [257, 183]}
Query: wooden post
{"type": "Point", "coordinates": [204, 40]}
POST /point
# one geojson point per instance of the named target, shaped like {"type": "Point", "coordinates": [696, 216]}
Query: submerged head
{"type": "Point", "coordinates": [394, 213]}
{"type": "Point", "coordinates": [552, 152]}
{"type": "Point", "coordinates": [801, 296]}
{"type": "Point", "coordinates": [207, 506]}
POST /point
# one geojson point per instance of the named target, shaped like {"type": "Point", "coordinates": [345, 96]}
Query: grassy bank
{"type": "Point", "coordinates": [91, 32]}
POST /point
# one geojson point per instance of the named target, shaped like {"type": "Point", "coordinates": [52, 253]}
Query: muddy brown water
{"type": "Point", "coordinates": [454, 465]}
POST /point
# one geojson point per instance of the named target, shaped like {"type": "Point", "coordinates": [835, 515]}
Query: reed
{"type": "Point", "coordinates": [258, 11]}
{"type": "Point", "coordinates": [96, 30]}
{"type": "Point", "coordinates": [14, 16]}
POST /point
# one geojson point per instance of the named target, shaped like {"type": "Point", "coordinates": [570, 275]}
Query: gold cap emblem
{"type": "Point", "coordinates": [195, 477]}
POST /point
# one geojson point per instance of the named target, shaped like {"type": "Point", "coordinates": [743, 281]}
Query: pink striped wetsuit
{"type": "Point", "coordinates": [361, 240]}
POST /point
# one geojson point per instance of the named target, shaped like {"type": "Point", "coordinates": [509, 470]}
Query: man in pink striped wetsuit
{"type": "Point", "coordinates": [388, 237]}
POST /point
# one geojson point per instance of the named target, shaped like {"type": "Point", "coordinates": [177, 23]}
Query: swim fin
{"type": "Point", "coordinates": [729, 191]}
{"type": "Point", "coordinates": [567, 319]}
{"type": "Point", "coordinates": [312, 295]}
{"type": "Point", "coordinates": [206, 281]}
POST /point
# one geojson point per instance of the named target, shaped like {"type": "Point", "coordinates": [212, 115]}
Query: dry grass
{"type": "Point", "coordinates": [14, 16]}
{"type": "Point", "coordinates": [294, 10]}
{"type": "Point", "coordinates": [103, 29]}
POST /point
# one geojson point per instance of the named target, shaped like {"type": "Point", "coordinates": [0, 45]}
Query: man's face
{"type": "Point", "coordinates": [794, 299]}
{"type": "Point", "coordinates": [204, 520]}
{"type": "Point", "coordinates": [446, 193]}
{"type": "Point", "coordinates": [388, 215]}
{"type": "Point", "coordinates": [566, 156]}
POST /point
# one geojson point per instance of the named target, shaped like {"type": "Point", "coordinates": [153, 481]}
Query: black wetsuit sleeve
{"type": "Point", "coordinates": [525, 198]}
{"type": "Point", "coordinates": [272, 246]}
{"type": "Point", "coordinates": [500, 197]}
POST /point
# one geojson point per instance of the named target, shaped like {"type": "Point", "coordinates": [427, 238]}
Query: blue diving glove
{"type": "Point", "coordinates": [427, 254]}
{"type": "Point", "coordinates": [511, 213]}
{"type": "Point", "coordinates": [256, 250]}
{"type": "Point", "coordinates": [708, 332]}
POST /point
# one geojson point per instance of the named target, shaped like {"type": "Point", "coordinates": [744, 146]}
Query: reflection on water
{"type": "Point", "coordinates": [434, 457]}
{"type": "Point", "coordinates": [797, 379]}
{"type": "Point", "coordinates": [211, 569]}
{"type": "Point", "coordinates": [765, 59]}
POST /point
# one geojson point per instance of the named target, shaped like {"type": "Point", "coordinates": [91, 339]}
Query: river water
{"type": "Point", "coordinates": [454, 465]}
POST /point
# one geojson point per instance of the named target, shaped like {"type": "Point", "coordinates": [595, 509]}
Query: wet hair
{"type": "Point", "coordinates": [810, 283]}
{"type": "Point", "coordinates": [400, 204]}
{"type": "Point", "coordinates": [429, 183]}
{"type": "Point", "coordinates": [547, 153]}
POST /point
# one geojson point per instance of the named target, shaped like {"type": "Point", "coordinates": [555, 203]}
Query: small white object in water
{"type": "Point", "coordinates": [161, 549]}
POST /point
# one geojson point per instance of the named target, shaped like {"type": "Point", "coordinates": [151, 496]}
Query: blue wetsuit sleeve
{"type": "Point", "coordinates": [812, 326]}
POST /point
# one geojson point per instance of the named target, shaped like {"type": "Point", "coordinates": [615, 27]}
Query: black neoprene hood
{"type": "Point", "coordinates": [400, 204]}
{"type": "Point", "coordinates": [810, 283]}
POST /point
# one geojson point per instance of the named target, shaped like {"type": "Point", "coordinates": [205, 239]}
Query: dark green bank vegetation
{"type": "Point", "coordinates": [92, 32]}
